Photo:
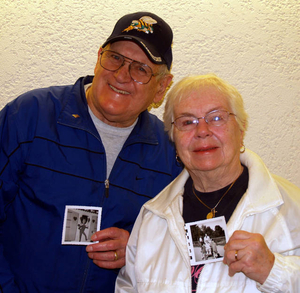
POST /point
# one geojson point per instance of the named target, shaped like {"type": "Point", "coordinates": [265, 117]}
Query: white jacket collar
{"type": "Point", "coordinates": [262, 193]}
{"type": "Point", "coordinates": [163, 200]}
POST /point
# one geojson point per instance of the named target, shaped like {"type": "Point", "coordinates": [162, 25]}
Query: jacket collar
{"type": "Point", "coordinates": [144, 130]}
{"type": "Point", "coordinates": [160, 204]}
{"type": "Point", "coordinates": [262, 193]}
{"type": "Point", "coordinates": [74, 112]}
{"type": "Point", "coordinates": [168, 205]}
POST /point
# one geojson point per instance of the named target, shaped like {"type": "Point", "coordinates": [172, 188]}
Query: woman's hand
{"type": "Point", "coordinates": [248, 253]}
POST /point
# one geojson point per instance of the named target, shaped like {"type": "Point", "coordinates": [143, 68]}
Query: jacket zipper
{"type": "Point", "coordinates": [106, 183]}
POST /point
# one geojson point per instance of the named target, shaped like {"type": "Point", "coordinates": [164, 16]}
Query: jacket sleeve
{"type": "Point", "coordinates": [284, 276]}
{"type": "Point", "coordinates": [8, 191]}
{"type": "Point", "coordinates": [126, 281]}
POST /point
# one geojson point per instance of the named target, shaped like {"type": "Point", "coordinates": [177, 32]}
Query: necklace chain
{"type": "Point", "coordinates": [212, 212]}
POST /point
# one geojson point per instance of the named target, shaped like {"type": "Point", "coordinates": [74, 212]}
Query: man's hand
{"type": "Point", "coordinates": [109, 252]}
{"type": "Point", "coordinates": [248, 253]}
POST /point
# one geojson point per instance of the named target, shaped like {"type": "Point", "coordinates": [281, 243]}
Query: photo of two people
{"type": "Point", "coordinates": [206, 240]}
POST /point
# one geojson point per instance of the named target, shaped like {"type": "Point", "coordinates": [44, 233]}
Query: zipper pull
{"type": "Point", "coordinates": [106, 183]}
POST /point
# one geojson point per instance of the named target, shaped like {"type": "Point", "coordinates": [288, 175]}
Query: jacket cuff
{"type": "Point", "coordinates": [278, 279]}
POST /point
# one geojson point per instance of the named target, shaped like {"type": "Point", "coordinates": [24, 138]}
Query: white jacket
{"type": "Point", "coordinates": [157, 257]}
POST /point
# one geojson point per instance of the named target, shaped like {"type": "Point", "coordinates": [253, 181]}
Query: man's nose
{"type": "Point", "coordinates": [122, 74]}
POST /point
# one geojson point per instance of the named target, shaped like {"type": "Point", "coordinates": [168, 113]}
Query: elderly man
{"type": "Point", "coordinates": [87, 150]}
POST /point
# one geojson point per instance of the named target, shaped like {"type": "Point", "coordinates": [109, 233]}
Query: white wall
{"type": "Point", "coordinates": [254, 45]}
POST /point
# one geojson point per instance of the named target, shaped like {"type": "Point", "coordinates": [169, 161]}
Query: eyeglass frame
{"type": "Point", "coordinates": [130, 62]}
{"type": "Point", "coordinates": [205, 119]}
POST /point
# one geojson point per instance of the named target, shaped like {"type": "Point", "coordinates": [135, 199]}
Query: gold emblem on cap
{"type": "Point", "coordinates": [144, 24]}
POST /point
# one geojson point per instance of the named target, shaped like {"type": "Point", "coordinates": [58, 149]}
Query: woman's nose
{"type": "Point", "coordinates": [202, 128]}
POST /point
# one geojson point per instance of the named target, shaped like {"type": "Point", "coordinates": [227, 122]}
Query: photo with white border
{"type": "Point", "coordinates": [80, 223]}
{"type": "Point", "coordinates": [206, 240]}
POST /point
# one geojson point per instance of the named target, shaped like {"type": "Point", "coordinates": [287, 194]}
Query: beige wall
{"type": "Point", "coordinates": [254, 45]}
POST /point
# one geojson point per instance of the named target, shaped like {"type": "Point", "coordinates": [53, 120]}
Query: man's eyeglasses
{"type": "Point", "coordinates": [139, 72]}
{"type": "Point", "coordinates": [213, 118]}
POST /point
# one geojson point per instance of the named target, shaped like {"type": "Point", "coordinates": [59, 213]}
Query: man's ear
{"type": "Point", "coordinates": [163, 84]}
{"type": "Point", "coordinates": [98, 59]}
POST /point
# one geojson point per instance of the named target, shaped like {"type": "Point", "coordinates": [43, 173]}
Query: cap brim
{"type": "Point", "coordinates": [145, 46]}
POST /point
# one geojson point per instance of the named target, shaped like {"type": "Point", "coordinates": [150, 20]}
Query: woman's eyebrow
{"type": "Point", "coordinates": [190, 114]}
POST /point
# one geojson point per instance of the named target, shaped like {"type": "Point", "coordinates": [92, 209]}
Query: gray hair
{"type": "Point", "coordinates": [162, 72]}
{"type": "Point", "coordinates": [187, 85]}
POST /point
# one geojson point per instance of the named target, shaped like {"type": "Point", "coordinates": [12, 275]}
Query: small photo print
{"type": "Point", "coordinates": [80, 223]}
{"type": "Point", "coordinates": [206, 240]}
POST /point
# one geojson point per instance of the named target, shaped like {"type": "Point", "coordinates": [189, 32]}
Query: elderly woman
{"type": "Point", "coordinates": [205, 117]}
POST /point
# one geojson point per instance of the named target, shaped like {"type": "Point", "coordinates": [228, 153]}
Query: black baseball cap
{"type": "Point", "coordinates": [147, 30]}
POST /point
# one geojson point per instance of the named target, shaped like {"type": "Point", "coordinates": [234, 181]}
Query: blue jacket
{"type": "Point", "coordinates": [51, 156]}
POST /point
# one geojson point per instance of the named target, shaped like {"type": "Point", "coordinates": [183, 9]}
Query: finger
{"type": "Point", "coordinates": [241, 234]}
{"type": "Point", "coordinates": [109, 259]}
{"type": "Point", "coordinates": [111, 239]}
{"type": "Point", "coordinates": [235, 262]}
{"type": "Point", "coordinates": [109, 245]}
{"type": "Point", "coordinates": [255, 266]}
{"type": "Point", "coordinates": [112, 255]}
{"type": "Point", "coordinates": [240, 262]}
{"type": "Point", "coordinates": [108, 233]}
{"type": "Point", "coordinates": [232, 256]}
{"type": "Point", "coordinates": [112, 259]}
{"type": "Point", "coordinates": [238, 237]}
{"type": "Point", "coordinates": [238, 243]}
{"type": "Point", "coordinates": [234, 268]}
{"type": "Point", "coordinates": [110, 264]}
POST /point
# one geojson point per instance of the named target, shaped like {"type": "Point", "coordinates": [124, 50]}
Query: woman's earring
{"type": "Point", "coordinates": [242, 149]}
{"type": "Point", "coordinates": [178, 158]}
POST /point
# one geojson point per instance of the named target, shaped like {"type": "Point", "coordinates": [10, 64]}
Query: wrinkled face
{"type": "Point", "coordinates": [207, 148]}
{"type": "Point", "coordinates": [114, 97]}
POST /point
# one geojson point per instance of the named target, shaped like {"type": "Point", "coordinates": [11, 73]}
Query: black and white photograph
{"type": "Point", "coordinates": [80, 223]}
{"type": "Point", "coordinates": [206, 240]}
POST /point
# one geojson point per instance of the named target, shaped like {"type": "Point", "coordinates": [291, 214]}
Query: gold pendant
{"type": "Point", "coordinates": [211, 214]}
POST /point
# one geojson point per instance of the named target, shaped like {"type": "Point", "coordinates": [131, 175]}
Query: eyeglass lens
{"type": "Point", "coordinates": [138, 71]}
{"type": "Point", "coordinates": [215, 118]}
